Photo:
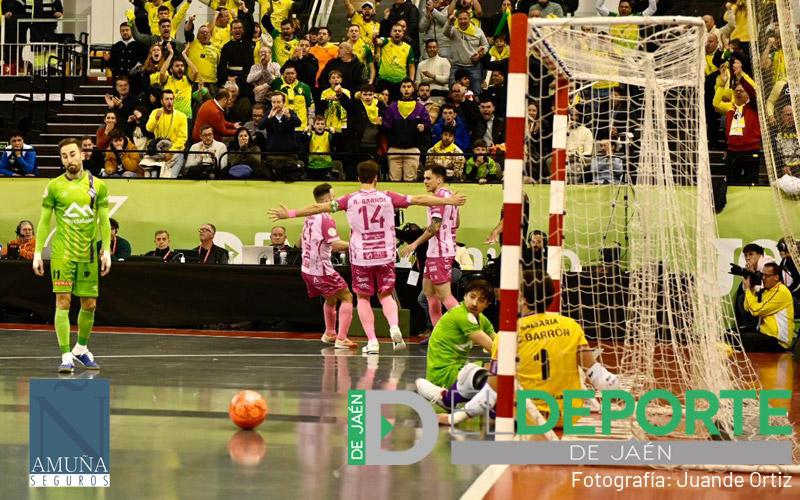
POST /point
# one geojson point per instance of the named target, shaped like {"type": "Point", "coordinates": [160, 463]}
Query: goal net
{"type": "Point", "coordinates": [776, 70]}
{"type": "Point", "coordinates": [616, 149]}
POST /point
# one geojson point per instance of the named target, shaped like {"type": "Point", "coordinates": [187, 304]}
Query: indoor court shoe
{"type": "Point", "coordinates": [87, 361]}
{"type": "Point", "coordinates": [397, 339]}
{"type": "Point", "coordinates": [345, 344]}
{"type": "Point", "coordinates": [453, 418]}
{"type": "Point", "coordinates": [430, 391]}
{"type": "Point", "coordinates": [328, 339]}
{"type": "Point", "coordinates": [372, 347]}
{"type": "Point", "coordinates": [66, 365]}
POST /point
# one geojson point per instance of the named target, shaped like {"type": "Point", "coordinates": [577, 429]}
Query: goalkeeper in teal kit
{"type": "Point", "coordinates": [80, 203]}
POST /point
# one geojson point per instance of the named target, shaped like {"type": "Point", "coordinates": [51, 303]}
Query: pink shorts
{"type": "Point", "coordinates": [438, 269]}
{"type": "Point", "coordinates": [364, 278]}
{"type": "Point", "coordinates": [324, 285]}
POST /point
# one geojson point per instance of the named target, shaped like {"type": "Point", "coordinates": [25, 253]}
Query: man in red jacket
{"type": "Point", "coordinates": [743, 131]}
{"type": "Point", "coordinates": [212, 112]}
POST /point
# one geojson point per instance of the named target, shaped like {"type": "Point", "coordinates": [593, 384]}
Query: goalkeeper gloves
{"type": "Point", "coordinates": [601, 378]}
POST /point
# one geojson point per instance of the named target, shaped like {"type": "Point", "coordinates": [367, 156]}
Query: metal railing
{"type": "Point", "coordinates": [213, 164]}
{"type": "Point", "coordinates": [301, 157]}
{"type": "Point", "coordinates": [23, 58]}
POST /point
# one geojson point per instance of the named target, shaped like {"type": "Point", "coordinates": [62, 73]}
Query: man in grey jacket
{"type": "Point", "coordinates": [468, 45]}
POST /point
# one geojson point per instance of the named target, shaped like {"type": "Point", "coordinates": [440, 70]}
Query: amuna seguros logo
{"type": "Point", "coordinates": [69, 431]}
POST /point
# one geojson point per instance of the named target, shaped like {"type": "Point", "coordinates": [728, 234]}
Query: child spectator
{"type": "Point", "coordinates": [462, 76]}
{"type": "Point", "coordinates": [319, 148]}
{"type": "Point", "coordinates": [330, 106]}
{"type": "Point", "coordinates": [499, 50]}
{"type": "Point", "coordinates": [482, 167]}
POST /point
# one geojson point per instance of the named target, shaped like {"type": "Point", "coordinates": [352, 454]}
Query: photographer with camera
{"type": "Point", "coordinates": [774, 308]}
{"type": "Point", "coordinates": [755, 260]}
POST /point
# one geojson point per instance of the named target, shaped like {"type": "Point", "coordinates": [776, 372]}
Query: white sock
{"type": "Point", "coordinates": [66, 358]}
{"type": "Point", "coordinates": [79, 349]}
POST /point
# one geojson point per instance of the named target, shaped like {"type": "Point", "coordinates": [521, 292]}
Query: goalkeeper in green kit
{"type": "Point", "coordinates": [80, 203]}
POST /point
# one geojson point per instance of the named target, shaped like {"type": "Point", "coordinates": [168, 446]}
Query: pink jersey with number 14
{"type": "Point", "coordinates": [371, 218]}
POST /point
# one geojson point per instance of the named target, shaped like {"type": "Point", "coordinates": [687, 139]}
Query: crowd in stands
{"type": "Point", "coordinates": [251, 94]}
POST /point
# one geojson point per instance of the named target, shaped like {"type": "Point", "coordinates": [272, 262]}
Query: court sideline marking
{"type": "Point", "coordinates": [480, 488]}
{"type": "Point", "coordinates": [227, 334]}
{"type": "Point", "coordinates": [222, 355]}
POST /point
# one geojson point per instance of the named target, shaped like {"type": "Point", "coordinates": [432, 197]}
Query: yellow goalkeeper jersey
{"type": "Point", "coordinates": [547, 347]}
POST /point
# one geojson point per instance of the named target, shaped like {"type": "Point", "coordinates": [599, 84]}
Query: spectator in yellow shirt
{"type": "Point", "coordinates": [167, 123]}
{"type": "Point", "coordinates": [774, 308]}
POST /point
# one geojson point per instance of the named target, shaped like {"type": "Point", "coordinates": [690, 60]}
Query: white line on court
{"type": "Point", "coordinates": [191, 335]}
{"type": "Point", "coordinates": [484, 482]}
{"type": "Point", "coordinates": [166, 334]}
{"type": "Point", "coordinates": [224, 355]}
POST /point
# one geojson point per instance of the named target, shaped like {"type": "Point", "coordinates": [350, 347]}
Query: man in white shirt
{"type": "Point", "coordinates": [205, 154]}
{"type": "Point", "coordinates": [435, 70]}
{"type": "Point", "coordinates": [580, 144]}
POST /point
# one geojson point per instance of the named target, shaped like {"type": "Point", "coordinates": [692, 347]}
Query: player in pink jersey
{"type": "Point", "coordinates": [372, 244]}
{"type": "Point", "coordinates": [318, 240]}
{"type": "Point", "coordinates": [441, 237]}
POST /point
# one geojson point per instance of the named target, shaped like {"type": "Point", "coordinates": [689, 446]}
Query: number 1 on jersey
{"type": "Point", "coordinates": [544, 359]}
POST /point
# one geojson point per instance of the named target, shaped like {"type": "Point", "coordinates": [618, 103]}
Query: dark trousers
{"type": "Point", "coordinates": [742, 168]}
{"type": "Point", "coordinates": [754, 341]}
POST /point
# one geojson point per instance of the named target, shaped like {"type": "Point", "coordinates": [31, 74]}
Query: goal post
{"type": "Point", "coordinates": [775, 57]}
{"type": "Point", "coordinates": [606, 118]}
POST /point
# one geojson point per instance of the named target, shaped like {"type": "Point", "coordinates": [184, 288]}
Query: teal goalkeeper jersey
{"type": "Point", "coordinates": [76, 216]}
{"type": "Point", "coordinates": [449, 345]}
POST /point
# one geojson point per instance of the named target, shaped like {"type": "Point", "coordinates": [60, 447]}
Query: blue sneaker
{"type": "Point", "coordinates": [66, 367]}
{"type": "Point", "coordinates": [87, 360]}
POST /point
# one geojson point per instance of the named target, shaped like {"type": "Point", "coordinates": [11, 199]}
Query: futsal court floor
{"type": "Point", "coordinates": [171, 437]}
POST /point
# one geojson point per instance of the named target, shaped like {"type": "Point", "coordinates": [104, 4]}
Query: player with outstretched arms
{"type": "Point", "coordinates": [370, 214]}
{"type": "Point", "coordinates": [318, 240]}
{"type": "Point", "coordinates": [80, 203]}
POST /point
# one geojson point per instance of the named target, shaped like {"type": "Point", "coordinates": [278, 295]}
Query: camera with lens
{"type": "Point", "coordinates": [754, 276]}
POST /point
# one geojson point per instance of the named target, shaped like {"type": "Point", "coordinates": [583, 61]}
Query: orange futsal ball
{"type": "Point", "coordinates": [247, 409]}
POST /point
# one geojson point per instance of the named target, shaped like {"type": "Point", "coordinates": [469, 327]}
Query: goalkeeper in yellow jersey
{"type": "Point", "coordinates": [550, 347]}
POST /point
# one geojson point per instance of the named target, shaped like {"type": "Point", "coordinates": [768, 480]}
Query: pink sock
{"type": "Point", "coordinates": [345, 318]}
{"type": "Point", "coordinates": [450, 303]}
{"type": "Point", "coordinates": [329, 311]}
{"type": "Point", "coordinates": [434, 309]}
{"type": "Point", "coordinates": [366, 317]}
{"type": "Point", "coordinates": [390, 310]}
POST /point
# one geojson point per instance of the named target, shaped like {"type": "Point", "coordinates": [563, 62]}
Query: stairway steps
{"type": "Point", "coordinates": [90, 99]}
{"type": "Point", "coordinates": [84, 108]}
{"type": "Point", "coordinates": [78, 117]}
{"type": "Point", "coordinates": [72, 128]}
